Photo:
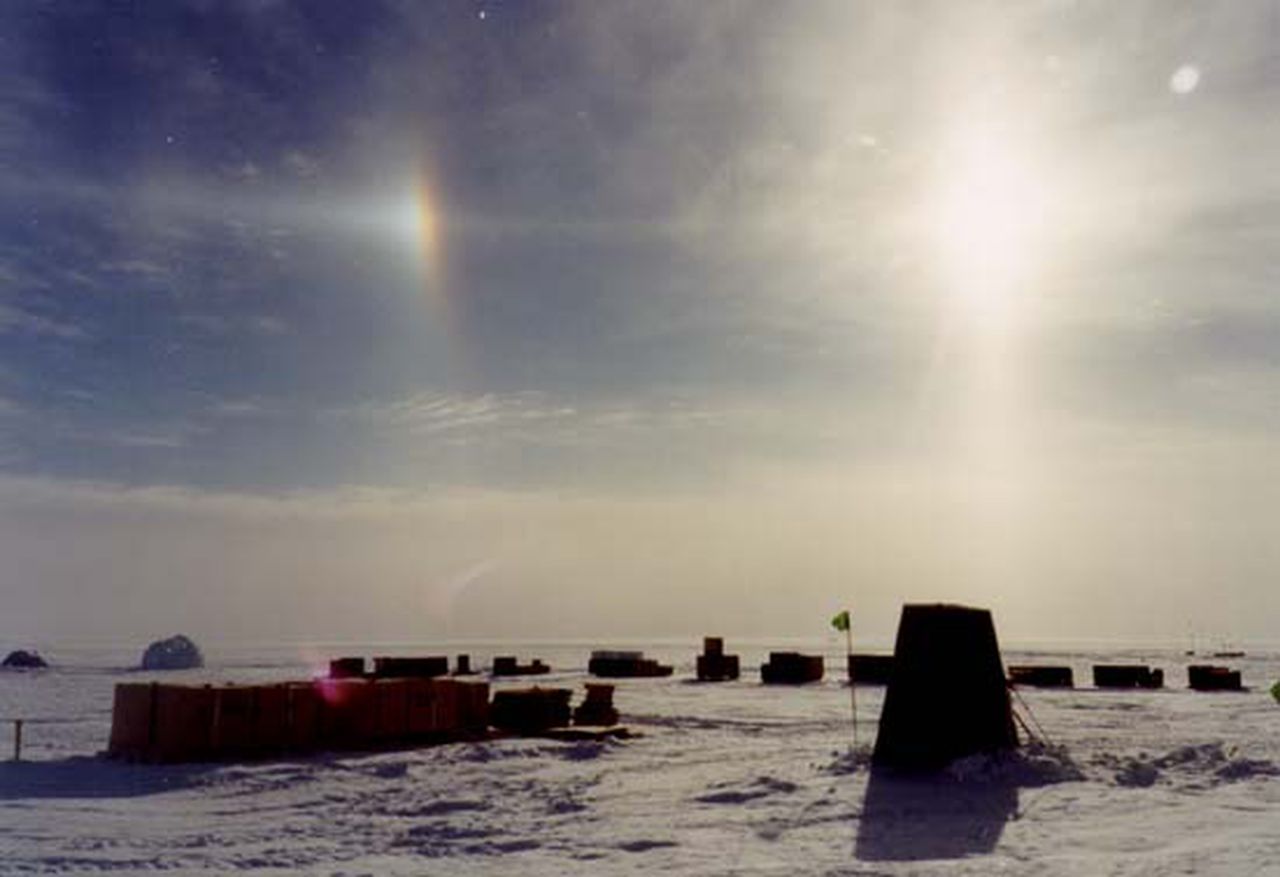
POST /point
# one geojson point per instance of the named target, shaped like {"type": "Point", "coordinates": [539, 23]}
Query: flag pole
{"type": "Point", "coordinates": [853, 695]}
{"type": "Point", "coordinates": [841, 621]}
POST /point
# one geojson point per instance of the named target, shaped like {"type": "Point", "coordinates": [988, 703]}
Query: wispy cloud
{"type": "Point", "coordinates": [144, 268]}
{"type": "Point", "coordinates": [15, 320]}
{"type": "Point", "coordinates": [238, 408]}
{"type": "Point", "coordinates": [268, 325]}
{"type": "Point", "coordinates": [129, 438]}
{"type": "Point", "coordinates": [540, 418]}
{"type": "Point", "coordinates": [301, 164]}
{"type": "Point", "coordinates": [437, 413]}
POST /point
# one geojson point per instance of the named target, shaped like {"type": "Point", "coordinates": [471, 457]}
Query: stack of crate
{"type": "Point", "coordinates": [1207, 677]}
{"type": "Point", "coordinates": [415, 667]}
{"type": "Point", "coordinates": [1127, 676]}
{"type": "Point", "coordinates": [597, 708]}
{"type": "Point", "coordinates": [868, 669]}
{"type": "Point", "coordinates": [530, 710]}
{"type": "Point", "coordinates": [508, 665]}
{"type": "Point", "coordinates": [346, 668]}
{"type": "Point", "coordinates": [713, 664]}
{"type": "Point", "coordinates": [1042, 676]}
{"type": "Point", "coordinates": [791, 668]}
{"type": "Point", "coordinates": [614, 664]}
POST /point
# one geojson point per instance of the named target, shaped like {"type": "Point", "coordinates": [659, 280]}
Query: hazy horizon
{"type": "Point", "coordinates": [555, 320]}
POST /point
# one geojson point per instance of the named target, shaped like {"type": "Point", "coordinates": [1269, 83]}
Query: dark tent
{"type": "Point", "coordinates": [175, 653]}
{"type": "Point", "coordinates": [947, 696]}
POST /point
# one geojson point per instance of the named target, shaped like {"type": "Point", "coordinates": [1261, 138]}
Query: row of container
{"type": "Point", "coordinates": [782, 668]}
{"type": "Point", "coordinates": [163, 722]}
{"type": "Point", "coordinates": [1200, 677]}
{"type": "Point", "coordinates": [428, 667]}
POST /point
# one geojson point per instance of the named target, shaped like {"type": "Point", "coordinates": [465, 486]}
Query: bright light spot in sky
{"type": "Point", "coordinates": [408, 220]}
{"type": "Point", "coordinates": [1185, 79]}
{"type": "Point", "coordinates": [989, 210]}
{"type": "Point", "coordinates": [427, 227]}
{"type": "Point", "coordinates": [990, 215]}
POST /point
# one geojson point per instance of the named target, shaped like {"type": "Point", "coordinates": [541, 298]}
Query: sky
{"type": "Point", "coordinates": [616, 319]}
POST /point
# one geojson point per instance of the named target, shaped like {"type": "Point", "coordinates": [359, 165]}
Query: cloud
{"type": "Point", "coordinates": [267, 325]}
{"type": "Point", "coordinates": [142, 268]}
{"type": "Point", "coordinates": [765, 552]}
{"type": "Point", "coordinates": [17, 321]}
{"type": "Point", "coordinates": [301, 164]}
{"type": "Point", "coordinates": [238, 408]}
{"type": "Point", "coordinates": [541, 418]}
{"type": "Point", "coordinates": [433, 413]}
{"type": "Point", "coordinates": [135, 439]}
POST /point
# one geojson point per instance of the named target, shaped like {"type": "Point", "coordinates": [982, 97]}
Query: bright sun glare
{"type": "Point", "coordinates": [990, 217]}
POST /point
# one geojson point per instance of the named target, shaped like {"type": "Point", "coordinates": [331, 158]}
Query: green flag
{"type": "Point", "coordinates": [841, 621]}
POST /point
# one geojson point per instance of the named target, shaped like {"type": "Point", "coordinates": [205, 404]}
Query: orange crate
{"type": "Point", "coordinates": [183, 728]}
{"type": "Point", "coordinates": [392, 696]}
{"type": "Point", "coordinates": [131, 720]}
{"type": "Point", "coordinates": [348, 713]}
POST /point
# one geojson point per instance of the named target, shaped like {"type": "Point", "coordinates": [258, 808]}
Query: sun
{"type": "Point", "coordinates": [990, 213]}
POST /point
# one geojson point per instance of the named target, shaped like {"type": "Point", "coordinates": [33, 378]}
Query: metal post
{"type": "Point", "coordinates": [17, 739]}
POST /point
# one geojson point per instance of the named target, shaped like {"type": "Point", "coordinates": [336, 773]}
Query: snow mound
{"type": "Point", "coordinates": [393, 770]}
{"type": "Point", "coordinates": [444, 808]}
{"type": "Point", "coordinates": [1217, 760]}
{"type": "Point", "coordinates": [848, 761]}
{"type": "Point", "coordinates": [760, 787]}
{"type": "Point", "coordinates": [1196, 756]}
{"type": "Point", "coordinates": [581, 750]}
{"type": "Point", "coordinates": [1202, 766]}
{"type": "Point", "coordinates": [1031, 766]}
{"type": "Point", "coordinates": [1137, 774]}
{"type": "Point", "coordinates": [643, 846]}
{"type": "Point", "coordinates": [1247, 769]}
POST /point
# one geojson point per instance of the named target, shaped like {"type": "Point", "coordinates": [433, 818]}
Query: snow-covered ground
{"type": "Point", "coordinates": [730, 778]}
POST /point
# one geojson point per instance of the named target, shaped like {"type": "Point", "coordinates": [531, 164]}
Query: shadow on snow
{"type": "Point", "coordinates": [909, 818]}
{"type": "Point", "coordinates": [93, 777]}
